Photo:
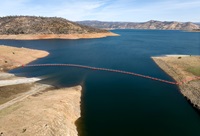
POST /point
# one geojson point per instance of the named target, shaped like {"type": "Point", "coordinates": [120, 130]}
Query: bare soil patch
{"type": "Point", "coordinates": [50, 113]}
{"type": "Point", "coordinates": [12, 57]}
{"type": "Point", "coordinates": [57, 36]}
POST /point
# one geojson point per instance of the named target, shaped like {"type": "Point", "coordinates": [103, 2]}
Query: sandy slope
{"type": "Point", "coordinates": [51, 113]}
{"type": "Point", "coordinates": [177, 66]}
{"type": "Point", "coordinates": [41, 111]}
{"type": "Point", "coordinates": [25, 109]}
{"type": "Point", "coordinates": [12, 57]}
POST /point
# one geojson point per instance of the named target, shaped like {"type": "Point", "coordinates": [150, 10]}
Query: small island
{"type": "Point", "coordinates": [185, 69]}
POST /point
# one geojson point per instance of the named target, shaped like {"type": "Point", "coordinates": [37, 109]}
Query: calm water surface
{"type": "Point", "coordinates": [121, 105]}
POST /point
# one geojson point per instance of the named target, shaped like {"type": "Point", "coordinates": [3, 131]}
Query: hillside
{"type": "Point", "coordinates": [31, 28]}
{"type": "Point", "coordinates": [42, 25]}
{"type": "Point", "coordinates": [152, 24]}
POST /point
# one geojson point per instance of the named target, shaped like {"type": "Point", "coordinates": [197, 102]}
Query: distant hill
{"type": "Point", "coordinates": [152, 24]}
{"type": "Point", "coordinates": [14, 25]}
{"type": "Point", "coordinates": [196, 30]}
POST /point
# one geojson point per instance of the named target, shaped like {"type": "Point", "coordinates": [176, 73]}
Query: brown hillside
{"type": "Point", "coordinates": [152, 24]}
{"type": "Point", "coordinates": [14, 25]}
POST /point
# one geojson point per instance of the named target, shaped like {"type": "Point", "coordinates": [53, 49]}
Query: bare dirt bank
{"type": "Point", "coordinates": [57, 36]}
{"type": "Point", "coordinates": [12, 57]}
{"type": "Point", "coordinates": [186, 71]}
{"type": "Point", "coordinates": [49, 113]}
{"type": "Point", "coordinates": [28, 108]}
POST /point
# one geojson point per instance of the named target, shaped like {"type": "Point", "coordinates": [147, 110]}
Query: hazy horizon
{"type": "Point", "coordinates": [138, 21]}
{"type": "Point", "coordinates": [101, 20]}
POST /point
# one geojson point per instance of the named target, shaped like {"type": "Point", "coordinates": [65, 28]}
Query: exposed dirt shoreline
{"type": "Point", "coordinates": [12, 57]}
{"type": "Point", "coordinates": [29, 108]}
{"type": "Point", "coordinates": [185, 69]}
{"type": "Point", "coordinates": [56, 36]}
{"type": "Point", "coordinates": [50, 113]}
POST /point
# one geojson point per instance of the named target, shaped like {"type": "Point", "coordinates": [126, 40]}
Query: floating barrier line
{"type": "Point", "coordinates": [111, 70]}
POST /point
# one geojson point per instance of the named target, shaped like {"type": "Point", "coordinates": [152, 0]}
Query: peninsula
{"type": "Point", "coordinates": [185, 69]}
{"type": "Point", "coordinates": [31, 108]}
{"type": "Point", "coordinates": [32, 28]}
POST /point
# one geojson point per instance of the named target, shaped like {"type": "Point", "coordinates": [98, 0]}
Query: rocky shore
{"type": "Point", "coordinates": [185, 69]}
{"type": "Point", "coordinates": [30, 108]}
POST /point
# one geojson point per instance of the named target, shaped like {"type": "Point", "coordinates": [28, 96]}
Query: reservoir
{"type": "Point", "coordinates": [115, 104]}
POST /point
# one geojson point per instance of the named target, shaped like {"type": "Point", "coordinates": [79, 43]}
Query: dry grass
{"type": "Point", "coordinates": [8, 93]}
{"type": "Point", "coordinates": [194, 70]}
{"type": "Point", "coordinates": [10, 109]}
{"type": "Point", "coordinates": [52, 113]}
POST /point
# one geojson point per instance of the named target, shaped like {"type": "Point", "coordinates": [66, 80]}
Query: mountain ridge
{"type": "Point", "coordinates": [152, 24]}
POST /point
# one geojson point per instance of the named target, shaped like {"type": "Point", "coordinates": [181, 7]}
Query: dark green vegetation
{"type": "Point", "coordinates": [42, 25]}
{"type": "Point", "coordinates": [152, 24]}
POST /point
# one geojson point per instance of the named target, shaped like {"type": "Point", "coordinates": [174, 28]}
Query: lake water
{"type": "Point", "coordinates": [114, 104]}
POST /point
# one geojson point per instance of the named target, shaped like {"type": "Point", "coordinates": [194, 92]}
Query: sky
{"type": "Point", "coordinates": [106, 10]}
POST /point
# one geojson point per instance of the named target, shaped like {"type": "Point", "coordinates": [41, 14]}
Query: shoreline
{"type": "Point", "coordinates": [13, 57]}
{"type": "Point", "coordinates": [56, 36]}
{"type": "Point", "coordinates": [57, 109]}
{"type": "Point", "coordinates": [178, 67]}
{"type": "Point", "coordinates": [57, 112]}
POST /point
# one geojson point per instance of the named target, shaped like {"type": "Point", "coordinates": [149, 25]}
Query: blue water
{"type": "Point", "coordinates": [114, 104]}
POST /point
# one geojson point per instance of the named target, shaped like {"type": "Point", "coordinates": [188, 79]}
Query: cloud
{"type": "Point", "coordinates": [70, 9]}
{"type": "Point", "coordinates": [77, 10]}
{"type": "Point", "coordinates": [179, 10]}
{"type": "Point", "coordinates": [10, 7]}
{"type": "Point", "coordinates": [110, 10]}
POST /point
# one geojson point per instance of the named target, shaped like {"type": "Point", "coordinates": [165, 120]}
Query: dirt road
{"type": "Point", "coordinates": [35, 89]}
